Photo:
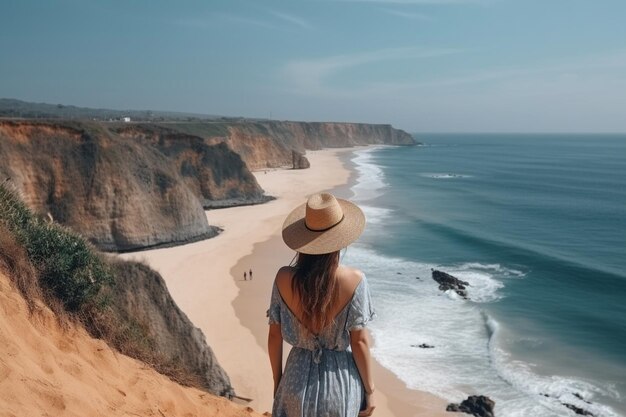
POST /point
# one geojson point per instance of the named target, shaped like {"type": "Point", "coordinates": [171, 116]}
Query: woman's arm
{"type": "Point", "coordinates": [275, 350]}
{"type": "Point", "coordinates": [359, 342]}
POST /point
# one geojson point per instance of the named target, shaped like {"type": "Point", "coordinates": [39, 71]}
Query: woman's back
{"type": "Point", "coordinates": [347, 280]}
{"type": "Point", "coordinates": [321, 309]}
{"type": "Point", "coordinates": [320, 377]}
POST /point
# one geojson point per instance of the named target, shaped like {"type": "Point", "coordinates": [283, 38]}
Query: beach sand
{"type": "Point", "coordinates": [206, 280]}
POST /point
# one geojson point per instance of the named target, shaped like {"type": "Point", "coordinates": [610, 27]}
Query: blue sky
{"type": "Point", "coordinates": [422, 65]}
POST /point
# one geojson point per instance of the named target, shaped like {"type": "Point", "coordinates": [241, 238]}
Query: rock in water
{"type": "Point", "coordinates": [577, 410]}
{"type": "Point", "coordinates": [580, 397]}
{"type": "Point", "coordinates": [476, 405]}
{"type": "Point", "coordinates": [448, 282]}
{"type": "Point", "coordinates": [423, 346]}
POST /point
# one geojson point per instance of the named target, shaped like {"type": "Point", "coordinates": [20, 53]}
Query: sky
{"type": "Point", "coordinates": [421, 65]}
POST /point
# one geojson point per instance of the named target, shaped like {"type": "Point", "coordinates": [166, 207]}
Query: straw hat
{"type": "Point", "coordinates": [324, 224]}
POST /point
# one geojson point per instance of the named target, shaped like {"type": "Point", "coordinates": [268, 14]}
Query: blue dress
{"type": "Point", "coordinates": [320, 378]}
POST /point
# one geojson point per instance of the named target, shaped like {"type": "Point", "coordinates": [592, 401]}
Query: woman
{"type": "Point", "coordinates": [321, 308]}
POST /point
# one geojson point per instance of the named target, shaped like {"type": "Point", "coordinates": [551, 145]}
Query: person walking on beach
{"type": "Point", "coordinates": [250, 274]}
{"type": "Point", "coordinates": [321, 308]}
{"type": "Point", "coordinates": [244, 276]}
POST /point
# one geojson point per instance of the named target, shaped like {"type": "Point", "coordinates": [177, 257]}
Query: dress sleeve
{"type": "Point", "coordinates": [273, 313]}
{"type": "Point", "coordinates": [361, 309]}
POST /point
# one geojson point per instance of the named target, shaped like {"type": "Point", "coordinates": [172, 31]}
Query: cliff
{"type": "Point", "coordinates": [125, 304]}
{"type": "Point", "coordinates": [141, 293]}
{"type": "Point", "coordinates": [269, 144]}
{"type": "Point", "coordinates": [128, 186]}
{"type": "Point", "coordinates": [211, 170]}
{"type": "Point", "coordinates": [53, 368]}
{"type": "Point", "coordinates": [122, 192]}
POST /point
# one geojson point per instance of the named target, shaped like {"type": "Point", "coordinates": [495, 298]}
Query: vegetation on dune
{"type": "Point", "coordinates": [66, 264]}
{"type": "Point", "coordinates": [14, 260]}
{"type": "Point", "coordinates": [50, 262]}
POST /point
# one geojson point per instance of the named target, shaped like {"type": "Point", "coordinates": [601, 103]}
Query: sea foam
{"type": "Point", "coordinates": [468, 356]}
{"type": "Point", "coordinates": [370, 180]}
{"type": "Point", "coordinates": [443, 175]}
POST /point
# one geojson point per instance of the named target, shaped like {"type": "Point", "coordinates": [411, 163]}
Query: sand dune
{"type": "Point", "coordinates": [51, 370]}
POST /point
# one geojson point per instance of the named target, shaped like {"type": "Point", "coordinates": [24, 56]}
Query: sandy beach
{"type": "Point", "coordinates": [206, 279]}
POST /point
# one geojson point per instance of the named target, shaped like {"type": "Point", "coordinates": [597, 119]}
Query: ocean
{"type": "Point", "coordinates": [537, 225]}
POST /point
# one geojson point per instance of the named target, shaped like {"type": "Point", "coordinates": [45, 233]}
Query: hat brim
{"type": "Point", "coordinates": [304, 240]}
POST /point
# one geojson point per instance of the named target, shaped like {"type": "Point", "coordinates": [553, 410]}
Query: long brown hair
{"type": "Point", "coordinates": [315, 285]}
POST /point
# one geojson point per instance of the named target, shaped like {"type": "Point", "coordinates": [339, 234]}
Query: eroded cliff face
{"type": "Point", "coordinates": [124, 303]}
{"type": "Point", "coordinates": [141, 293]}
{"type": "Point", "coordinates": [212, 170]}
{"type": "Point", "coordinates": [121, 194]}
{"type": "Point", "coordinates": [268, 144]}
{"type": "Point", "coordinates": [132, 186]}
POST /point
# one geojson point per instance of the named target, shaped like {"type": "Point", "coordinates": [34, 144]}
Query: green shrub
{"type": "Point", "coordinates": [66, 264]}
{"type": "Point", "coordinates": [43, 255]}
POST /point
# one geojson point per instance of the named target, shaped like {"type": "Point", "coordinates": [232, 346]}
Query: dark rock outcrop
{"type": "Point", "coordinates": [423, 346]}
{"type": "Point", "coordinates": [580, 397]}
{"type": "Point", "coordinates": [476, 405]}
{"type": "Point", "coordinates": [448, 282]}
{"type": "Point", "coordinates": [141, 293]}
{"type": "Point", "coordinates": [574, 408]}
{"type": "Point", "coordinates": [299, 161]}
{"type": "Point", "coordinates": [578, 410]}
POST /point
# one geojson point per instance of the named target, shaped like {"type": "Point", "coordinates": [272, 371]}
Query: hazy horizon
{"type": "Point", "coordinates": [420, 65]}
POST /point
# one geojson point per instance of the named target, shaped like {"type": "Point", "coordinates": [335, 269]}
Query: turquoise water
{"type": "Point", "coordinates": [537, 225]}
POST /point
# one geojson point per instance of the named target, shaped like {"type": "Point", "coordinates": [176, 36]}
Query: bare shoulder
{"type": "Point", "coordinates": [350, 273]}
{"type": "Point", "coordinates": [283, 279]}
{"type": "Point", "coordinates": [285, 272]}
{"type": "Point", "coordinates": [349, 278]}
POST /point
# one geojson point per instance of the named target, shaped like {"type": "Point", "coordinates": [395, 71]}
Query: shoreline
{"type": "Point", "coordinates": [394, 397]}
{"type": "Point", "coordinates": [206, 281]}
